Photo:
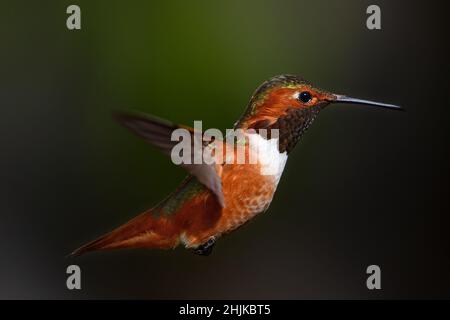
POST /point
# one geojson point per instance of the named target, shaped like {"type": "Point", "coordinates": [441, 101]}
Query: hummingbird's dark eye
{"type": "Point", "coordinates": [304, 96]}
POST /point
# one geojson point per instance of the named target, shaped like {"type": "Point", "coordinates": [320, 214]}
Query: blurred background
{"type": "Point", "coordinates": [364, 186]}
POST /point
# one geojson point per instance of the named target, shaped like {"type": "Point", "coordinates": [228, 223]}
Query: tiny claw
{"type": "Point", "coordinates": [205, 249]}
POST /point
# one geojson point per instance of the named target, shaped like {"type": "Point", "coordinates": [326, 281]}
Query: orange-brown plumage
{"type": "Point", "coordinates": [219, 197]}
{"type": "Point", "coordinates": [199, 218]}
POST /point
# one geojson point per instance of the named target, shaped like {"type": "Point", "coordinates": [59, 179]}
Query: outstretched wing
{"type": "Point", "coordinates": [158, 132]}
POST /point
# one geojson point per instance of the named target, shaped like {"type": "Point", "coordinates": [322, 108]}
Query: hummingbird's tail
{"type": "Point", "coordinates": [145, 230]}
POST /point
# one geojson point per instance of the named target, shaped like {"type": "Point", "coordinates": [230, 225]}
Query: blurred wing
{"type": "Point", "coordinates": [158, 132]}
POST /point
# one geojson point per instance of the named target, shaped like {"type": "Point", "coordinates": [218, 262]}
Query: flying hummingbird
{"type": "Point", "coordinates": [217, 198]}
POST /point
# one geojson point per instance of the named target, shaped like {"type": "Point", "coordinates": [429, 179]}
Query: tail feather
{"type": "Point", "coordinates": [142, 231]}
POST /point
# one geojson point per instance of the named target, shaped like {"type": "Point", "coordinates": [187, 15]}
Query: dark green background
{"type": "Point", "coordinates": [363, 187]}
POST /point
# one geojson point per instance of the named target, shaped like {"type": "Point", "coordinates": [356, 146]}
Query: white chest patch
{"type": "Point", "coordinates": [267, 154]}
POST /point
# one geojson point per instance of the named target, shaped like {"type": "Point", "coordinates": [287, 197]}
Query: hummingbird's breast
{"type": "Point", "coordinates": [249, 188]}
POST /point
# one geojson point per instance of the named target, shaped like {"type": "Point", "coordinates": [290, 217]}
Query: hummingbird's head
{"type": "Point", "coordinates": [290, 104]}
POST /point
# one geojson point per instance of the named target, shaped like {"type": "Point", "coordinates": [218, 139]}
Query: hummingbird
{"type": "Point", "coordinates": [219, 197]}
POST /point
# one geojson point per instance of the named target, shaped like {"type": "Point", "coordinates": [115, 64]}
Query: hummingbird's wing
{"type": "Point", "coordinates": [158, 132]}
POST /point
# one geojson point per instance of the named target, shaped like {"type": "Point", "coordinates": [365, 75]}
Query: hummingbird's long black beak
{"type": "Point", "coordinates": [344, 99]}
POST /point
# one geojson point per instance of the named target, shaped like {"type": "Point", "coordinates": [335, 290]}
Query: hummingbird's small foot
{"type": "Point", "coordinates": [205, 249]}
